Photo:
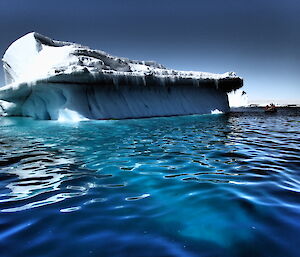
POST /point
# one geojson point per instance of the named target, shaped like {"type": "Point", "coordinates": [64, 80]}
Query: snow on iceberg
{"type": "Point", "coordinates": [45, 77]}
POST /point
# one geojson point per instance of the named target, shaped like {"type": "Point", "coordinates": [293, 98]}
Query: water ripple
{"type": "Point", "coordinates": [200, 185]}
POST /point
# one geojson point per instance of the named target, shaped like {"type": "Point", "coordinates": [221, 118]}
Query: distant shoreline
{"type": "Point", "coordinates": [263, 105]}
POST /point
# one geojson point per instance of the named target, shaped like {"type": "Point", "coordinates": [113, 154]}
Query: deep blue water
{"type": "Point", "coordinates": [211, 185]}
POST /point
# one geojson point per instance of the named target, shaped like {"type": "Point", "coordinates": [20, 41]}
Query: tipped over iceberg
{"type": "Point", "coordinates": [46, 78]}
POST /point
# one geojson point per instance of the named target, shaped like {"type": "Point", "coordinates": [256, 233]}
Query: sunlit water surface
{"type": "Point", "coordinates": [211, 185]}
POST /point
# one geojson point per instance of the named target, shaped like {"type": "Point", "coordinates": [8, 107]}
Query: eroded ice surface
{"type": "Point", "coordinates": [46, 77]}
{"type": "Point", "coordinates": [238, 98]}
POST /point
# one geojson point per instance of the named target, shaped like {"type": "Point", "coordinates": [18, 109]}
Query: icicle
{"type": "Point", "coordinates": [217, 83]}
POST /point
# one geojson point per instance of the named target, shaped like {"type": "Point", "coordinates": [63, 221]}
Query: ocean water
{"type": "Point", "coordinates": [210, 185]}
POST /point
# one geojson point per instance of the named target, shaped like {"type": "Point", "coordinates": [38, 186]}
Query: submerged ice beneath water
{"type": "Point", "coordinates": [46, 77]}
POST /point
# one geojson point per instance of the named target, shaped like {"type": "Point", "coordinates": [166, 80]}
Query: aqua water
{"type": "Point", "coordinates": [210, 185]}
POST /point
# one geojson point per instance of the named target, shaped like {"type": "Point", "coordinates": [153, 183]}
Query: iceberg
{"type": "Point", "coordinates": [238, 98]}
{"type": "Point", "coordinates": [46, 77]}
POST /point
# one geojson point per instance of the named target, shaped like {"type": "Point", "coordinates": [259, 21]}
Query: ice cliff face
{"type": "Point", "coordinates": [47, 79]}
{"type": "Point", "coordinates": [238, 98]}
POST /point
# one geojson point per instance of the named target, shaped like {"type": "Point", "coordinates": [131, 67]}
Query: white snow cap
{"type": "Point", "coordinates": [34, 56]}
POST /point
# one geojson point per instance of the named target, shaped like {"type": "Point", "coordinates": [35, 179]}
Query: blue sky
{"type": "Point", "coordinates": [258, 39]}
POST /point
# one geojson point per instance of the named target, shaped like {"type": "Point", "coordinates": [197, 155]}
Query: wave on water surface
{"type": "Point", "coordinates": [214, 185]}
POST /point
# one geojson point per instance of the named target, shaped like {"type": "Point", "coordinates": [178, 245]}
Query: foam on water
{"type": "Point", "coordinates": [216, 111]}
{"type": "Point", "coordinates": [66, 115]}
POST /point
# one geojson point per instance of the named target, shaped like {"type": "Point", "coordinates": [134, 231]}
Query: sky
{"type": "Point", "coordinates": [257, 39]}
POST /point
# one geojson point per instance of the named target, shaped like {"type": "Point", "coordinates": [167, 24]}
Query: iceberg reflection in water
{"type": "Point", "coordinates": [213, 185]}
